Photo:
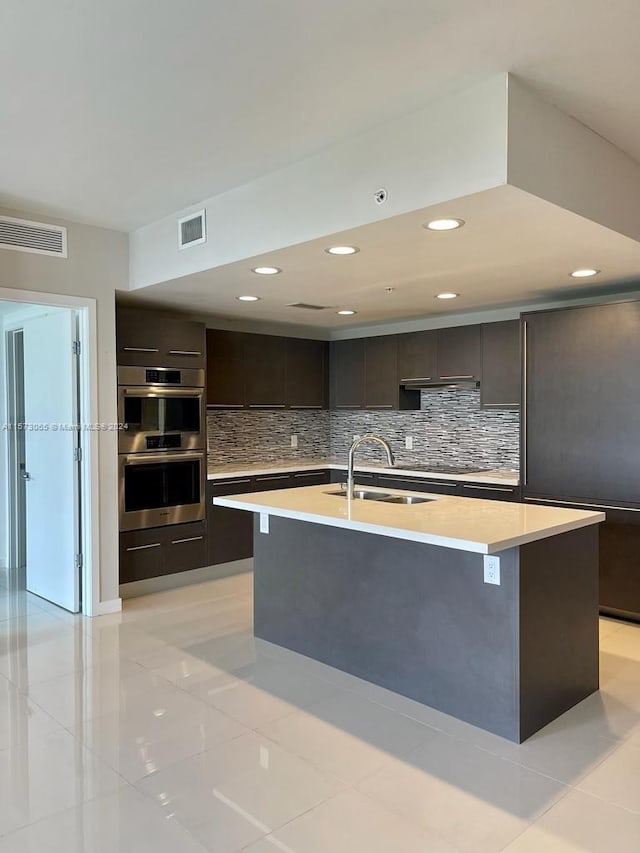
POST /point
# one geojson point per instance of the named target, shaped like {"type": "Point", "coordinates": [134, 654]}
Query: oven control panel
{"type": "Point", "coordinates": [163, 442]}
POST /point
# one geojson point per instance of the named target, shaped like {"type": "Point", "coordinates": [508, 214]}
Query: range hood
{"type": "Point", "coordinates": [424, 383]}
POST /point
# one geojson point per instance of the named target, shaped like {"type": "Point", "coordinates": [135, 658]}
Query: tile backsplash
{"type": "Point", "coordinates": [450, 428]}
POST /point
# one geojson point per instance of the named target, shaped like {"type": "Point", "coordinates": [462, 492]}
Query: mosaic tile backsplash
{"type": "Point", "coordinates": [450, 428]}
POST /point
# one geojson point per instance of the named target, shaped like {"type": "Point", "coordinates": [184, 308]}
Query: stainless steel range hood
{"type": "Point", "coordinates": [424, 383]}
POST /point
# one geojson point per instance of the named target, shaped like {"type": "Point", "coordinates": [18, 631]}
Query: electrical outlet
{"type": "Point", "coordinates": [492, 569]}
{"type": "Point", "coordinates": [294, 441]}
{"type": "Point", "coordinates": [264, 522]}
{"type": "Point", "coordinates": [408, 442]}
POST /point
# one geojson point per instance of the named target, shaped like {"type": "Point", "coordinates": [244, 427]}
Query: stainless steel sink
{"type": "Point", "coordinates": [385, 497]}
{"type": "Point", "coordinates": [362, 495]}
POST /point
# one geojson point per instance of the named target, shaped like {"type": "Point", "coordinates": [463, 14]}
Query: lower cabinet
{"type": "Point", "coordinates": [490, 492]}
{"type": "Point", "coordinates": [162, 551]}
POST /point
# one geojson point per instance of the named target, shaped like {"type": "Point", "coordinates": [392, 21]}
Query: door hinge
{"type": "Point", "coordinates": [76, 347]}
{"type": "Point", "coordinates": [79, 561]}
{"type": "Point", "coordinates": [77, 454]}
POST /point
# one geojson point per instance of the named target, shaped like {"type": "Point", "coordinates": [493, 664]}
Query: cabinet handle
{"type": "Point", "coordinates": [225, 406]}
{"type": "Point", "coordinates": [305, 407]}
{"type": "Point", "coordinates": [416, 379]}
{"type": "Point", "coordinates": [352, 406]}
{"type": "Point", "coordinates": [144, 547]}
{"type": "Point", "coordinates": [488, 488]}
{"type": "Point", "coordinates": [266, 405]}
{"type": "Point", "coordinates": [577, 504]}
{"type": "Point", "coordinates": [140, 349]}
{"type": "Point", "coordinates": [233, 482]}
{"type": "Point", "coordinates": [491, 405]}
{"type": "Point", "coordinates": [187, 539]}
{"type": "Point", "coordinates": [462, 376]}
{"type": "Point", "coordinates": [184, 352]}
{"type": "Point", "coordinates": [310, 474]}
{"type": "Point", "coordinates": [380, 406]}
{"type": "Point", "coordinates": [523, 416]}
{"type": "Point", "coordinates": [275, 477]}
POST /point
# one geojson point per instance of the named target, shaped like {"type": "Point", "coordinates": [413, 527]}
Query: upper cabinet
{"type": "Point", "coordinates": [459, 353]}
{"type": "Point", "coordinates": [225, 369]}
{"type": "Point", "coordinates": [347, 374]}
{"type": "Point", "coordinates": [417, 356]}
{"type": "Point", "coordinates": [264, 364]}
{"type": "Point", "coordinates": [500, 388]}
{"type": "Point", "coordinates": [265, 371]}
{"type": "Point", "coordinates": [151, 339]}
{"type": "Point", "coordinates": [306, 373]}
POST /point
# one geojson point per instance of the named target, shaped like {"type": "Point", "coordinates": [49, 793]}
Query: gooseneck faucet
{"type": "Point", "coordinates": [352, 451]}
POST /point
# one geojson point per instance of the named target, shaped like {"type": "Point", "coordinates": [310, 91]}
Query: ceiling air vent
{"type": "Point", "coordinates": [307, 306]}
{"type": "Point", "coordinates": [36, 237]}
{"type": "Point", "coordinates": [192, 230]}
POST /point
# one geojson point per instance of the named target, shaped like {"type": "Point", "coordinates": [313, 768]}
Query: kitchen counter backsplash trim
{"type": "Point", "coordinates": [450, 429]}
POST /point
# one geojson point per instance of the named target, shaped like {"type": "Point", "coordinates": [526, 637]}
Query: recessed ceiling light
{"type": "Point", "coordinates": [342, 250]}
{"type": "Point", "coordinates": [585, 273]}
{"type": "Point", "coordinates": [248, 298]}
{"type": "Point", "coordinates": [346, 312]}
{"type": "Point", "coordinates": [266, 270]}
{"type": "Point", "coordinates": [447, 296]}
{"type": "Point", "coordinates": [444, 224]}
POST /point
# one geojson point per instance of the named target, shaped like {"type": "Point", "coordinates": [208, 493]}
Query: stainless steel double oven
{"type": "Point", "coordinates": [162, 446]}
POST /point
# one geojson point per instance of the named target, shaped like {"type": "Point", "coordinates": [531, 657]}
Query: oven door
{"type": "Point", "coordinates": [161, 419]}
{"type": "Point", "coordinates": [161, 488]}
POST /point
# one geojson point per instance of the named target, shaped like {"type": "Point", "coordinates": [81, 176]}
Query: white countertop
{"type": "Point", "coordinates": [227, 472]}
{"type": "Point", "coordinates": [465, 524]}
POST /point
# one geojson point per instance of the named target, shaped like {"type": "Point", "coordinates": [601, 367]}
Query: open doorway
{"type": "Point", "coordinates": [43, 449]}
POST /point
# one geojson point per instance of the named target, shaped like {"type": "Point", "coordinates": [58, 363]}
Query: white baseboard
{"type": "Point", "coordinates": [165, 582]}
{"type": "Point", "coordinates": [113, 605]}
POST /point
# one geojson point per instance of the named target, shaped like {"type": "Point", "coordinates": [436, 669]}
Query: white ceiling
{"type": "Point", "coordinates": [119, 112]}
{"type": "Point", "coordinates": [514, 249]}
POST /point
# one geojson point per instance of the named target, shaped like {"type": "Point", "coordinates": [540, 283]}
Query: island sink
{"type": "Point", "coordinates": [386, 497]}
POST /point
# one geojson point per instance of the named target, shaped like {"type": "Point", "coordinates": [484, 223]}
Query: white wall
{"type": "Point", "coordinates": [453, 147]}
{"type": "Point", "coordinates": [97, 265]}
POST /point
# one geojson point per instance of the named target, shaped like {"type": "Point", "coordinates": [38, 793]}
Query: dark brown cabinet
{"type": "Point", "coordinates": [162, 551]}
{"type": "Point", "coordinates": [381, 372]}
{"type": "Point", "coordinates": [417, 356]}
{"type": "Point", "coordinates": [347, 371]}
{"type": "Point", "coordinates": [225, 369]}
{"type": "Point", "coordinates": [154, 339]}
{"type": "Point", "coordinates": [459, 356]}
{"type": "Point", "coordinates": [500, 388]}
{"type": "Point", "coordinates": [307, 374]}
{"type": "Point", "coordinates": [264, 369]}
{"type": "Point", "coordinates": [417, 484]}
{"type": "Point", "coordinates": [229, 531]}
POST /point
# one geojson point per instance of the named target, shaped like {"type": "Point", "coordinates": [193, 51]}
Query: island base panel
{"type": "Point", "coordinates": [419, 620]}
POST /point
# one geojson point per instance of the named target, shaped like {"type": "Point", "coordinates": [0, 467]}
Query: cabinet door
{"type": "Point", "coordinates": [490, 492]}
{"type": "Point", "coordinates": [142, 554]}
{"type": "Point", "coordinates": [184, 344]}
{"type": "Point", "coordinates": [582, 404]}
{"type": "Point", "coordinates": [306, 373]}
{"type": "Point", "coordinates": [381, 372]}
{"type": "Point", "coordinates": [264, 364]}
{"type": "Point", "coordinates": [309, 478]}
{"type": "Point", "coordinates": [225, 369]}
{"type": "Point", "coordinates": [269, 482]}
{"type": "Point", "coordinates": [186, 547]}
{"type": "Point", "coordinates": [439, 487]}
{"type": "Point", "coordinates": [347, 368]}
{"type": "Point", "coordinates": [140, 338]}
{"type": "Point", "coordinates": [620, 563]}
{"type": "Point", "coordinates": [459, 353]}
{"type": "Point", "coordinates": [229, 531]}
{"type": "Point", "coordinates": [417, 355]}
{"type": "Point", "coordinates": [500, 386]}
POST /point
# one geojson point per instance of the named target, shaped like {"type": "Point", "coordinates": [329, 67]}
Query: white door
{"type": "Point", "coordinates": [52, 482]}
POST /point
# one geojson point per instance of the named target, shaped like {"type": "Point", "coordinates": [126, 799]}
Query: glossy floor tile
{"type": "Point", "coordinates": [169, 727]}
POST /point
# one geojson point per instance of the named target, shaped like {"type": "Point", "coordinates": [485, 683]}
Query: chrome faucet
{"type": "Point", "coordinates": [352, 450]}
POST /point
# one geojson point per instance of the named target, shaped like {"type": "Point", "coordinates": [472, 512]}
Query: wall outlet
{"type": "Point", "coordinates": [264, 522]}
{"type": "Point", "coordinates": [492, 569]}
{"type": "Point", "coordinates": [294, 441]}
{"type": "Point", "coordinates": [408, 442]}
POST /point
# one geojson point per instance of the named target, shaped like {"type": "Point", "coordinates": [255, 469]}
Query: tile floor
{"type": "Point", "coordinates": [168, 728]}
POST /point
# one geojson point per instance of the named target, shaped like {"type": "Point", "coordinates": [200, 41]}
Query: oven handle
{"type": "Point", "coordinates": [151, 458]}
{"type": "Point", "coordinates": [160, 391]}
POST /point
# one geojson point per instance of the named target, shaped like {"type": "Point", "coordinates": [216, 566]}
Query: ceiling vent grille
{"type": "Point", "coordinates": [21, 235]}
{"type": "Point", "coordinates": [192, 230]}
{"type": "Point", "coordinates": [307, 306]}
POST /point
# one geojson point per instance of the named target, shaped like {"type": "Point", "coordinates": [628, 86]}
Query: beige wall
{"type": "Point", "coordinates": [97, 265]}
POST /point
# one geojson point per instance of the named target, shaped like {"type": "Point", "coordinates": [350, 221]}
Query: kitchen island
{"type": "Point", "coordinates": [409, 597]}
